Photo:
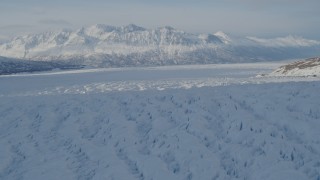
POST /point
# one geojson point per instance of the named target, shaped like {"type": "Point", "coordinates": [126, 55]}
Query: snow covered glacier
{"type": "Point", "coordinates": [160, 123]}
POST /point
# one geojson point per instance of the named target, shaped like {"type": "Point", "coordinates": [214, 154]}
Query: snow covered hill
{"type": "Point", "coordinates": [108, 46]}
{"type": "Point", "coordinates": [308, 67]}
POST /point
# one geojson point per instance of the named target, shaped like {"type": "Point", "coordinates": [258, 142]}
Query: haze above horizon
{"type": "Point", "coordinates": [262, 18]}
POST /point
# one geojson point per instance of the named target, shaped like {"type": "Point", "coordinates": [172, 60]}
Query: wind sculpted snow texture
{"type": "Point", "coordinates": [234, 131]}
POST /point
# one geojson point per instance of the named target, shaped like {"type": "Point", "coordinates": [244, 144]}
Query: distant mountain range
{"type": "Point", "coordinates": [108, 46]}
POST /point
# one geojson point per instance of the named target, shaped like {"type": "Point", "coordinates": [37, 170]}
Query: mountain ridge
{"type": "Point", "coordinates": [103, 45]}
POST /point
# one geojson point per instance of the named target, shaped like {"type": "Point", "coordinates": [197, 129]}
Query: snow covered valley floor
{"type": "Point", "coordinates": [187, 122]}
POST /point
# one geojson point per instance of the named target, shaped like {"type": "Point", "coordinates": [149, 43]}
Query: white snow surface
{"type": "Point", "coordinates": [178, 122]}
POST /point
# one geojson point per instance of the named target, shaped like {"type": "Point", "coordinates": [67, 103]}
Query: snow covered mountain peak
{"type": "Point", "coordinates": [209, 38]}
{"type": "Point", "coordinates": [103, 28]}
{"type": "Point", "coordinates": [223, 37]}
{"type": "Point", "coordinates": [132, 28]}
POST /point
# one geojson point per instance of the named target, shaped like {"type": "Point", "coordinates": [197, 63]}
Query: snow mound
{"type": "Point", "coordinates": [309, 67]}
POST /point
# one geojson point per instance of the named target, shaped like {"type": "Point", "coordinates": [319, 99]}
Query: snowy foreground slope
{"type": "Point", "coordinates": [242, 128]}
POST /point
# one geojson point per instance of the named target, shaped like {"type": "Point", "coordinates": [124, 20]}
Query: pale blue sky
{"type": "Point", "coordinates": [263, 18]}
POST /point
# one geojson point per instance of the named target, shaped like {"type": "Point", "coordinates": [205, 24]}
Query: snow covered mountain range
{"type": "Point", "coordinates": [108, 46]}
